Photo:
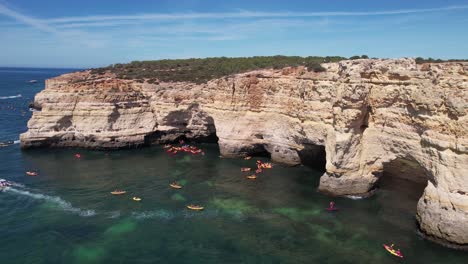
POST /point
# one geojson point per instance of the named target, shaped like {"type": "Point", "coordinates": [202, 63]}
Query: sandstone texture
{"type": "Point", "coordinates": [363, 114]}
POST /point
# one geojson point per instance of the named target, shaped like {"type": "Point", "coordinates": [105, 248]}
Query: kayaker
{"type": "Point", "coordinates": [332, 206]}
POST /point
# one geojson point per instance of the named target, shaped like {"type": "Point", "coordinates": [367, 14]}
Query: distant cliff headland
{"type": "Point", "coordinates": [354, 118]}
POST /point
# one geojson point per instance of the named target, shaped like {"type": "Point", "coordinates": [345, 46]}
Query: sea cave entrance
{"type": "Point", "coordinates": [313, 156]}
{"type": "Point", "coordinates": [191, 125]}
{"type": "Point", "coordinates": [400, 186]}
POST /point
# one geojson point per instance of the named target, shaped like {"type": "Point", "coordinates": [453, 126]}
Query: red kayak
{"type": "Point", "coordinates": [332, 209]}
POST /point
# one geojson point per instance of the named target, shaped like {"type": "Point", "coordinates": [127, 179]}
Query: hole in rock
{"type": "Point", "coordinates": [258, 150]}
{"type": "Point", "coordinates": [401, 185]}
{"type": "Point", "coordinates": [313, 156]}
{"type": "Point", "coordinates": [202, 132]}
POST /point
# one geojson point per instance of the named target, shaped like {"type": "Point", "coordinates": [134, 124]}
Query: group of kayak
{"type": "Point", "coordinates": [173, 185]}
{"type": "Point", "coordinates": [184, 148]}
{"type": "Point", "coordinates": [331, 207]}
{"type": "Point", "coordinates": [260, 166]}
{"type": "Point", "coordinates": [121, 192]}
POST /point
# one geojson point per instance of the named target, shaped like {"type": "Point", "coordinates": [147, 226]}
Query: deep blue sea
{"type": "Point", "coordinates": [67, 214]}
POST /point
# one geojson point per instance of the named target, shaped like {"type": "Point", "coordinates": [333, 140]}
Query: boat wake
{"type": "Point", "coordinates": [67, 206]}
{"type": "Point", "coordinates": [10, 97]}
{"type": "Point", "coordinates": [9, 143]}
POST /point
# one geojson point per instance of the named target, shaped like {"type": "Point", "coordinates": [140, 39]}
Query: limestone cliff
{"type": "Point", "coordinates": [363, 113]}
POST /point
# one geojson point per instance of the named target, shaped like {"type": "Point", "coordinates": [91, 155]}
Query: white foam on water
{"type": "Point", "coordinates": [67, 206]}
{"type": "Point", "coordinates": [10, 97]}
{"type": "Point", "coordinates": [160, 214]}
{"type": "Point", "coordinates": [354, 197]}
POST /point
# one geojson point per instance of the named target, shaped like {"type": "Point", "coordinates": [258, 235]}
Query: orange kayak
{"type": "Point", "coordinates": [195, 207]}
{"type": "Point", "coordinates": [31, 173]}
{"type": "Point", "coordinates": [118, 192]}
{"type": "Point", "coordinates": [393, 251]}
{"type": "Point", "coordinates": [252, 177]}
{"type": "Point", "coordinates": [175, 185]}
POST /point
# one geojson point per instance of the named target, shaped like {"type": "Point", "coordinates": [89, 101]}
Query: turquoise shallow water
{"type": "Point", "coordinates": [67, 215]}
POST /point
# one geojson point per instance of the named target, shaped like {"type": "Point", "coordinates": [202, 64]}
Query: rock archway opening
{"type": "Point", "coordinates": [313, 156]}
{"type": "Point", "coordinates": [191, 125]}
{"type": "Point", "coordinates": [400, 186]}
{"type": "Point", "coordinates": [255, 150]}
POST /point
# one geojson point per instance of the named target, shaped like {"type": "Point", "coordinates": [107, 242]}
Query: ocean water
{"type": "Point", "coordinates": [67, 214]}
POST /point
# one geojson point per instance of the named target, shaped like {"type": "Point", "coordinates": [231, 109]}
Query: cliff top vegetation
{"type": "Point", "coordinates": [203, 70]}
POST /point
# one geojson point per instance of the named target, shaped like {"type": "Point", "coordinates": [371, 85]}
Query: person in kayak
{"type": "Point", "coordinates": [332, 205]}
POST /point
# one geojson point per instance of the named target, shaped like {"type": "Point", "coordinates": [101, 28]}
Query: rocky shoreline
{"type": "Point", "coordinates": [358, 115]}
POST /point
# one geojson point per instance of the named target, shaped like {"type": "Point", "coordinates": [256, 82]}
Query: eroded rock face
{"type": "Point", "coordinates": [364, 113]}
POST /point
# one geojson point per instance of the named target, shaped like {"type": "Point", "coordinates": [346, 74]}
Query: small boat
{"type": "Point", "coordinates": [117, 192]}
{"type": "Point", "coordinates": [31, 173]}
{"type": "Point", "coordinates": [245, 169]}
{"type": "Point", "coordinates": [247, 158]}
{"type": "Point", "coordinates": [136, 199]}
{"type": "Point", "coordinates": [33, 81]}
{"type": "Point", "coordinates": [195, 207]}
{"type": "Point", "coordinates": [175, 185]}
{"type": "Point", "coordinates": [77, 155]}
{"type": "Point", "coordinates": [167, 146]}
{"type": "Point", "coordinates": [4, 184]}
{"type": "Point", "coordinates": [392, 251]}
{"type": "Point", "coordinates": [330, 209]}
{"type": "Point", "coordinates": [252, 177]}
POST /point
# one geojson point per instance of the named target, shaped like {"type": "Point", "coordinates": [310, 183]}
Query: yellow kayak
{"type": "Point", "coordinates": [252, 177]}
{"type": "Point", "coordinates": [175, 185]}
{"type": "Point", "coordinates": [393, 251]}
{"type": "Point", "coordinates": [136, 199]}
{"type": "Point", "coordinates": [195, 207]}
{"type": "Point", "coordinates": [118, 192]}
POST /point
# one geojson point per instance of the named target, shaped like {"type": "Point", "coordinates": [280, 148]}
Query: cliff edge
{"type": "Point", "coordinates": [364, 114]}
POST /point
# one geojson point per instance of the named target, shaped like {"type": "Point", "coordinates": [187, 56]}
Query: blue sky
{"type": "Point", "coordinates": [85, 33]}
